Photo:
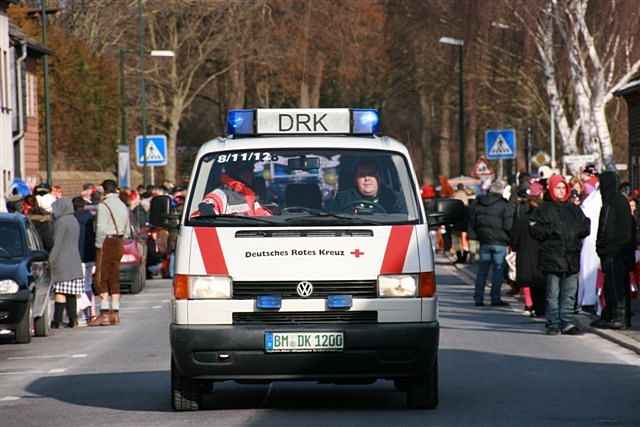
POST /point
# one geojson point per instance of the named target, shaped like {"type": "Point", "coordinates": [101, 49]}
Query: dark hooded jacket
{"type": "Point", "coordinates": [491, 220]}
{"type": "Point", "coordinates": [559, 226]}
{"type": "Point", "coordinates": [616, 233]}
{"type": "Point", "coordinates": [527, 249]}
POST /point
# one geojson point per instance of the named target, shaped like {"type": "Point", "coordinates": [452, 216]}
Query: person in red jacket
{"type": "Point", "coordinates": [235, 196]}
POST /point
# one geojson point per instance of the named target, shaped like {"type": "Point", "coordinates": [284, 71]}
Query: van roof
{"type": "Point", "coordinates": [382, 143]}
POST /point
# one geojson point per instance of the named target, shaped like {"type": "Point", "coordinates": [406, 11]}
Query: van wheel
{"type": "Point", "coordinates": [422, 392]}
{"type": "Point", "coordinates": [25, 327]}
{"type": "Point", "coordinates": [42, 323]}
{"type": "Point", "coordinates": [185, 392]}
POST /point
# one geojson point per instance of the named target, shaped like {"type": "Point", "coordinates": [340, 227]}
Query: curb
{"type": "Point", "coordinates": [584, 323]}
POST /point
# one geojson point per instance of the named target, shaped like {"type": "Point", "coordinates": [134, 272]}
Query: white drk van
{"type": "Point", "coordinates": [303, 254]}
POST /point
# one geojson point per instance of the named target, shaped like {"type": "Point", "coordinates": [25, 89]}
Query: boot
{"type": "Point", "coordinates": [72, 311]}
{"type": "Point", "coordinates": [458, 257]}
{"type": "Point", "coordinates": [58, 311]}
{"type": "Point", "coordinates": [465, 256]}
{"type": "Point", "coordinates": [104, 319]}
{"type": "Point", "coordinates": [115, 317]}
{"type": "Point", "coordinates": [619, 320]}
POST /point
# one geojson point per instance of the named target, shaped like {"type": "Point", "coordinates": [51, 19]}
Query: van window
{"type": "Point", "coordinates": [287, 187]}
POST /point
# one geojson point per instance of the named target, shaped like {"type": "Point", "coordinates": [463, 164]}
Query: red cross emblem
{"type": "Point", "coordinates": [357, 253]}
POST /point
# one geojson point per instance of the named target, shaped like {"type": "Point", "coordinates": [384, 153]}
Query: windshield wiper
{"type": "Point", "coordinates": [235, 218]}
{"type": "Point", "coordinates": [330, 215]}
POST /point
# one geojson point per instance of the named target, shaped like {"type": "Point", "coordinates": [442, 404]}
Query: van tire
{"type": "Point", "coordinates": [41, 324]}
{"type": "Point", "coordinates": [185, 392]}
{"type": "Point", "coordinates": [422, 392]}
{"type": "Point", "coordinates": [25, 327]}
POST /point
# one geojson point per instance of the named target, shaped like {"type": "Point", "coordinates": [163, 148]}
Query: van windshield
{"type": "Point", "coordinates": [287, 187]}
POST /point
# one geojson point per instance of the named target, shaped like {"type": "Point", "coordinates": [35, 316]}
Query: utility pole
{"type": "Point", "coordinates": [143, 97]}
{"type": "Point", "coordinates": [124, 138]}
{"type": "Point", "coordinates": [47, 108]}
{"type": "Point", "coordinates": [461, 107]}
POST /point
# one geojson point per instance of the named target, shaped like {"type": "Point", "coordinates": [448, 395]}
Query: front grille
{"type": "Point", "coordinates": [321, 289]}
{"type": "Point", "coordinates": [304, 317]}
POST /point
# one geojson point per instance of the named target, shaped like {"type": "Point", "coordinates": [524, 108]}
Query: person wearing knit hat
{"type": "Point", "coordinates": [560, 226]}
{"type": "Point", "coordinates": [490, 222]}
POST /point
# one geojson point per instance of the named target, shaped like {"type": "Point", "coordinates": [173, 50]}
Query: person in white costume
{"type": "Point", "coordinates": [589, 260]}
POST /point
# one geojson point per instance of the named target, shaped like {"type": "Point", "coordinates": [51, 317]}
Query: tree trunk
{"type": "Point", "coordinates": [604, 136]}
{"type": "Point", "coordinates": [444, 152]}
{"type": "Point", "coordinates": [238, 86]}
{"type": "Point", "coordinates": [314, 98]}
{"type": "Point", "coordinates": [172, 139]}
{"type": "Point", "coordinates": [425, 138]}
{"type": "Point", "coordinates": [305, 101]}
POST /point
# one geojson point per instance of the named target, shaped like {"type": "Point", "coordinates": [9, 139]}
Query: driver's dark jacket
{"type": "Point", "coordinates": [389, 200]}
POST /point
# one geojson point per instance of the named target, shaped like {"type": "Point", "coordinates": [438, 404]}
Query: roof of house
{"type": "Point", "coordinates": [34, 48]}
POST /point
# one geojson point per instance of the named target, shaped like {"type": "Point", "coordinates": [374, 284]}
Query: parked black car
{"type": "Point", "coordinates": [24, 279]}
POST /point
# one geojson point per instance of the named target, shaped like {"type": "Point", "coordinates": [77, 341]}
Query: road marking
{"type": "Point", "coordinates": [78, 356]}
{"type": "Point", "coordinates": [33, 372]}
{"type": "Point", "coordinates": [9, 398]}
{"type": "Point", "coordinates": [165, 300]}
{"type": "Point", "coordinates": [50, 356]}
{"type": "Point", "coordinates": [157, 306]}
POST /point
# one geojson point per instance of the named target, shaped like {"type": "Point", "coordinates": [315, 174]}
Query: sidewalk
{"type": "Point", "coordinates": [629, 339]}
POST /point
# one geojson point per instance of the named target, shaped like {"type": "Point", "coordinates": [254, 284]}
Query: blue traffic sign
{"type": "Point", "coordinates": [156, 150]}
{"type": "Point", "coordinates": [500, 144]}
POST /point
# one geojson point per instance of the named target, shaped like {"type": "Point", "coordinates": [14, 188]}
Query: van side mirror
{"type": "Point", "coordinates": [161, 214]}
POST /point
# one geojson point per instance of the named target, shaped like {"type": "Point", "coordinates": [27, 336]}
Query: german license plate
{"type": "Point", "coordinates": [280, 342]}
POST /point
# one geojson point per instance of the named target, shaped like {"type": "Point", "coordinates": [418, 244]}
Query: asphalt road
{"type": "Point", "coordinates": [497, 368]}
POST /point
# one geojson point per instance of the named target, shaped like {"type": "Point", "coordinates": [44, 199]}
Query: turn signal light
{"type": "Point", "coordinates": [427, 284]}
{"type": "Point", "coordinates": [181, 286]}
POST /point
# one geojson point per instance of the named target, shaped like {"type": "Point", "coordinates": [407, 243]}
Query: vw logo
{"type": "Point", "coordinates": [304, 289]}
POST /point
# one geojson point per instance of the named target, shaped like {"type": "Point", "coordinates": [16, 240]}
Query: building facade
{"type": "Point", "coordinates": [25, 119]}
{"type": "Point", "coordinates": [6, 105]}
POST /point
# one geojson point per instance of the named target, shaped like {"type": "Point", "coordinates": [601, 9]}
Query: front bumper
{"type": "Point", "coordinates": [383, 350]}
{"type": "Point", "coordinates": [13, 307]}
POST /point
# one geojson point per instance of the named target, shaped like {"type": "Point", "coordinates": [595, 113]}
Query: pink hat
{"type": "Point", "coordinates": [535, 189]}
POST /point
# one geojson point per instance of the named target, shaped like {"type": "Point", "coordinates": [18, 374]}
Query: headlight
{"type": "Point", "coordinates": [8, 287]}
{"type": "Point", "coordinates": [397, 286]}
{"type": "Point", "coordinates": [210, 287]}
{"type": "Point", "coordinates": [127, 258]}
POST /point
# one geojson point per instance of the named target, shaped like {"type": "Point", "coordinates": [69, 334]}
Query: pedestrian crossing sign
{"type": "Point", "coordinates": [500, 144]}
{"type": "Point", "coordinates": [156, 148]}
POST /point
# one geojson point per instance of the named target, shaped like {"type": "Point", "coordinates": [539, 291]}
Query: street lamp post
{"type": "Point", "coordinates": [123, 113]}
{"type": "Point", "coordinates": [459, 43]}
{"type": "Point", "coordinates": [143, 95]}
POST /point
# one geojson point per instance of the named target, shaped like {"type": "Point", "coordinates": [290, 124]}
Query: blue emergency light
{"type": "Point", "coordinates": [321, 121]}
{"type": "Point", "coordinates": [365, 121]}
{"type": "Point", "coordinates": [241, 122]}
{"type": "Point", "coordinates": [269, 302]}
{"type": "Point", "coordinates": [339, 301]}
